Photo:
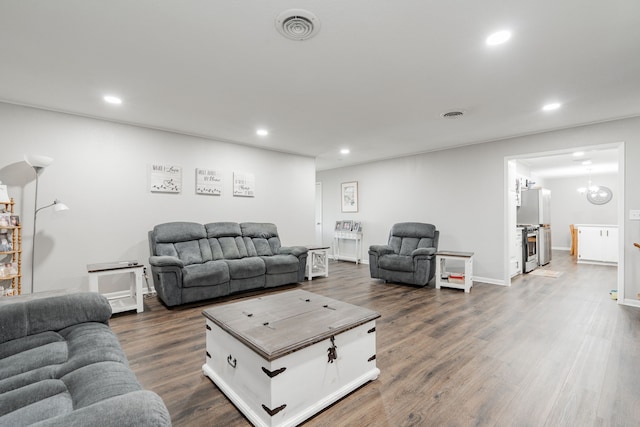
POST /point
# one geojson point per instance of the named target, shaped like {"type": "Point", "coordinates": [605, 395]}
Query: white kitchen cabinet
{"type": "Point", "coordinates": [516, 257]}
{"type": "Point", "coordinates": [597, 244]}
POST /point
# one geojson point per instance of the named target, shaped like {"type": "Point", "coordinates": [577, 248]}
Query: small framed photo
{"type": "Point", "coordinates": [338, 225]}
{"type": "Point", "coordinates": [357, 226]}
{"type": "Point", "coordinates": [14, 220]}
{"type": "Point", "coordinates": [347, 225]}
{"type": "Point", "coordinates": [349, 194]}
{"type": "Point", "coordinates": [5, 220]}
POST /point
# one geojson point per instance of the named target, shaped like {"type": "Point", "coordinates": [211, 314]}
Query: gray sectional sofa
{"type": "Point", "coordinates": [61, 365]}
{"type": "Point", "coordinates": [193, 262]}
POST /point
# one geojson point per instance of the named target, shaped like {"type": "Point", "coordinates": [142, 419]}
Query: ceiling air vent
{"type": "Point", "coordinates": [297, 24]}
{"type": "Point", "coordinates": [453, 114]}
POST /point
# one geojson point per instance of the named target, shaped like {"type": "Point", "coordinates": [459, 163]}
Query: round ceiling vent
{"type": "Point", "coordinates": [453, 114]}
{"type": "Point", "coordinates": [297, 24]}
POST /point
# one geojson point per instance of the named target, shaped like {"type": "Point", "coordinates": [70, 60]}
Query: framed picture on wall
{"type": "Point", "coordinates": [349, 194]}
{"type": "Point", "coordinates": [165, 178]}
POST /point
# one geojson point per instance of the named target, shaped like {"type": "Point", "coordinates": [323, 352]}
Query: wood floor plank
{"type": "Point", "coordinates": [545, 351]}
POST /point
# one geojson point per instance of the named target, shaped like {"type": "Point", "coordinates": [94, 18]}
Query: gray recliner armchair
{"type": "Point", "coordinates": [409, 257]}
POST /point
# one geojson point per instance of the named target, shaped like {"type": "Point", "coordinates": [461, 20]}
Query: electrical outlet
{"type": "Point", "coordinates": [634, 215]}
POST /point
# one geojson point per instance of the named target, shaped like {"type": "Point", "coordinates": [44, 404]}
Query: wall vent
{"type": "Point", "coordinates": [453, 114]}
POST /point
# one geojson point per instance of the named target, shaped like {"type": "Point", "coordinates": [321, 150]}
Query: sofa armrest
{"type": "Point", "coordinates": [138, 408]}
{"type": "Point", "coordinates": [380, 250]}
{"type": "Point", "coordinates": [165, 261]}
{"type": "Point", "coordinates": [423, 252]}
{"type": "Point", "coordinates": [293, 250]}
{"type": "Point", "coordinates": [30, 316]}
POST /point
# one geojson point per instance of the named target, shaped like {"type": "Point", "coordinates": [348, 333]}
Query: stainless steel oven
{"type": "Point", "coordinates": [530, 247]}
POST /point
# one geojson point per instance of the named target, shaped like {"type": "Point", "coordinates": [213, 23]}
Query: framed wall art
{"type": "Point", "coordinates": [209, 182]}
{"type": "Point", "coordinates": [165, 178]}
{"type": "Point", "coordinates": [244, 184]}
{"type": "Point", "coordinates": [349, 195]}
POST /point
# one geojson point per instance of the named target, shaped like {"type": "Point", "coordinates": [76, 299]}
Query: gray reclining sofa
{"type": "Point", "coordinates": [193, 262]}
{"type": "Point", "coordinates": [61, 365]}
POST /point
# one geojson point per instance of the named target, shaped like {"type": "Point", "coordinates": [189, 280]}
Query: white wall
{"type": "Point", "coordinates": [462, 191]}
{"type": "Point", "coordinates": [100, 172]}
{"type": "Point", "coordinates": [570, 207]}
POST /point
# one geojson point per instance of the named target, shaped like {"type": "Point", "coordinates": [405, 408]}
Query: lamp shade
{"type": "Point", "coordinates": [59, 206]}
{"type": "Point", "coordinates": [37, 161]}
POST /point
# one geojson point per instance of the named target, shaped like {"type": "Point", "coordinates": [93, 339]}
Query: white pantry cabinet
{"type": "Point", "coordinates": [597, 243]}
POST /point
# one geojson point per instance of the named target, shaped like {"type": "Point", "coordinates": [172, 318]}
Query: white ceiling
{"type": "Point", "coordinates": [375, 79]}
{"type": "Point", "coordinates": [569, 164]}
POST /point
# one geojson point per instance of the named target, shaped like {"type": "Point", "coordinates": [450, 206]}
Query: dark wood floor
{"type": "Point", "coordinates": [543, 352]}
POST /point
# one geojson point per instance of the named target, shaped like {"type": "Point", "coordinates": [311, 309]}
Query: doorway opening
{"type": "Point", "coordinates": [563, 169]}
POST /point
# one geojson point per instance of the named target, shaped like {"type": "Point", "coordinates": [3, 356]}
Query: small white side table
{"type": "Point", "coordinates": [317, 261]}
{"type": "Point", "coordinates": [442, 276]}
{"type": "Point", "coordinates": [120, 301]}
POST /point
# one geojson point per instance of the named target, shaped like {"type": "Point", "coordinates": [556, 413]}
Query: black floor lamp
{"type": "Point", "coordinates": [38, 163]}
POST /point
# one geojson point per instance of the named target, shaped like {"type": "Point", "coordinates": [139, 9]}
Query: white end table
{"type": "Point", "coordinates": [317, 261]}
{"type": "Point", "coordinates": [443, 277]}
{"type": "Point", "coordinates": [120, 301]}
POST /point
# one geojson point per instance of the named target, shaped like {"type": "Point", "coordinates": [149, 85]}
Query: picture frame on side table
{"type": "Point", "coordinates": [349, 196]}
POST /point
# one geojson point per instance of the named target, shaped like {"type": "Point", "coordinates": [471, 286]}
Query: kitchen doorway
{"type": "Point", "coordinates": [564, 170]}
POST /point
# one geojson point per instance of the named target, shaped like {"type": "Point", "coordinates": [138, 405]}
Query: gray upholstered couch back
{"type": "Point", "coordinates": [406, 237]}
{"type": "Point", "coordinates": [195, 243]}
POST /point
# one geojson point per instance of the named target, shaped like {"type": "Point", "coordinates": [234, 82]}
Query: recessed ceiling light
{"type": "Point", "coordinates": [345, 151]}
{"type": "Point", "coordinates": [587, 162]}
{"type": "Point", "coordinates": [578, 153]}
{"type": "Point", "coordinates": [498, 37]}
{"type": "Point", "coordinates": [112, 99]}
{"type": "Point", "coordinates": [552, 106]}
{"type": "Point", "coordinates": [262, 132]}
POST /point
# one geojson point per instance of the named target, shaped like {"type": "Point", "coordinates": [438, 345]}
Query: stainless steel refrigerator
{"type": "Point", "coordinates": [535, 209]}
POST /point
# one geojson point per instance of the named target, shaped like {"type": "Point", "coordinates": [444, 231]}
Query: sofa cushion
{"type": "Point", "coordinates": [53, 353]}
{"type": "Point", "coordinates": [35, 402]}
{"type": "Point", "coordinates": [20, 318]}
{"type": "Point", "coordinates": [222, 229]}
{"type": "Point", "coordinates": [189, 252]}
{"type": "Point", "coordinates": [261, 239]}
{"type": "Point", "coordinates": [246, 268]}
{"type": "Point", "coordinates": [173, 232]}
{"type": "Point", "coordinates": [396, 262]}
{"type": "Point", "coordinates": [26, 343]}
{"type": "Point", "coordinates": [208, 274]}
{"type": "Point", "coordinates": [278, 264]}
{"type": "Point", "coordinates": [228, 248]}
{"type": "Point", "coordinates": [99, 381]}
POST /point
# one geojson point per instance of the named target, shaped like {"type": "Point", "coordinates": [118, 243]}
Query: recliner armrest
{"type": "Point", "coordinates": [165, 261]}
{"type": "Point", "coordinates": [423, 252]}
{"type": "Point", "coordinates": [380, 250]}
{"type": "Point", "coordinates": [293, 250]}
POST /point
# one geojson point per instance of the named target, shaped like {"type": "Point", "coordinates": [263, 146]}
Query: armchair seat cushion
{"type": "Point", "coordinates": [278, 264]}
{"type": "Point", "coordinates": [396, 262]}
{"type": "Point", "coordinates": [207, 274]}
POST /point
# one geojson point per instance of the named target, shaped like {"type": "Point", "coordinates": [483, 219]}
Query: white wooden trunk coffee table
{"type": "Point", "coordinates": [284, 357]}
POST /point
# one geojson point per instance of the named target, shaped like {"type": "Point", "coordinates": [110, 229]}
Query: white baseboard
{"type": "Point", "coordinates": [630, 302]}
